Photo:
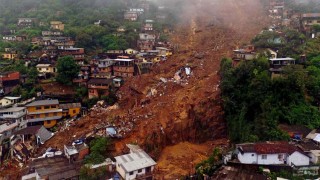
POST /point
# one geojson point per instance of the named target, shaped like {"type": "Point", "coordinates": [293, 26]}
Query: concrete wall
{"type": "Point", "coordinates": [298, 159]}
{"type": "Point", "coordinates": [271, 159]}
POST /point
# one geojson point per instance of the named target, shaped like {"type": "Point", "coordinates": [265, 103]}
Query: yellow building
{"type": "Point", "coordinates": [70, 109]}
{"type": "Point", "coordinates": [164, 51]}
{"type": "Point", "coordinates": [57, 25]}
{"type": "Point", "coordinates": [46, 68]}
{"type": "Point", "coordinates": [44, 112]}
{"type": "Point", "coordinates": [10, 55]}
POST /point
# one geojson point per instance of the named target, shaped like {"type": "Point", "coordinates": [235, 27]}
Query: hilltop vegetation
{"type": "Point", "coordinates": [79, 17]}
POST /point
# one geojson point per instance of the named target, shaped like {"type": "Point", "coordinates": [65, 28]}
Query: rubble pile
{"type": "Point", "coordinates": [180, 99]}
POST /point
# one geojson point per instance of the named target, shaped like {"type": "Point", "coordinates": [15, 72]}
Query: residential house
{"type": "Point", "coordinates": [146, 41]}
{"type": "Point", "coordinates": [244, 54]}
{"type": "Point", "coordinates": [123, 67]}
{"type": "Point", "coordinates": [131, 51]}
{"type": "Point", "coordinates": [307, 21]}
{"type": "Point", "coordinates": [11, 120]}
{"type": "Point", "coordinates": [296, 132]}
{"type": "Point", "coordinates": [77, 54]}
{"type": "Point", "coordinates": [70, 109]}
{"type": "Point", "coordinates": [121, 29]}
{"type": "Point", "coordinates": [8, 101]}
{"type": "Point", "coordinates": [76, 152]}
{"type": "Point", "coordinates": [272, 53]}
{"type": "Point", "coordinates": [57, 167]}
{"type": "Point", "coordinates": [312, 149]}
{"type": "Point", "coordinates": [131, 16]}
{"type": "Point", "coordinates": [26, 22]}
{"type": "Point", "coordinates": [137, 10]}
{"type": "Point", "coordinates": [276, 4]}
{"type": "Point", "coordinates": [164, 51]}
{"type": "Point", "coordinates": [10, 53]}
{"type": "Point", "coordinates": [52, 33]}
{"type": "Point", "coordinates": [98, 23]}
{"type": "Point", "coordinates": [39, 134]}
{"type": "Point", "coordinates": [98, 87]}
{"type": "Point", "coordinates": [84, 75]}
{"type": "Point", "coordinates": [46, 69]}
{"type": "Point", "coordinates": [148, 25]}
{"type": "Point", "coordinates": [135, 165]}
{"type": "Point", "coordinates": [8, 81]}
{"type": "Point", "coordinates": [272, 153]}
{"type": "Point", "coordinates": [276, 64]}
{"type": "Point", "coordinates": [114, 53]}
{"type": "Point", "coordinates": [14, 38]}
{"type": "Point", "coordinates": [9, 38]}
{"type": "Point", "coordinates": [44, 112]}
{"type": "Point", "coordinates": [57, 25]}
{"type": "Point", "coordinates": [103, 69]}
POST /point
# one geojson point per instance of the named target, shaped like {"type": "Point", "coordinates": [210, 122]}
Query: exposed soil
{"type": "Point", "coordinates": [189, 111]}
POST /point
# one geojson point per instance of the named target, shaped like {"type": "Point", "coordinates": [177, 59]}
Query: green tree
{"type": "Point", "coordinates": [209, 166]}
{"type": "Point", "coordinates": [67, 70]}
{"type": "Point", "coordinates": [98, 150]}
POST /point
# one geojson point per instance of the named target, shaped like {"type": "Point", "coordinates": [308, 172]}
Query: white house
{"type": "Point", "coordinates": [315, 156]}
{"type": "Point", "coordinates": [272, 153]}
{"type": "Point", "coordinates": [11, 120]}
{"type": "Point", "coordinates": [136, 164]}
{"type": "Point", "coordinates": [8, 101]}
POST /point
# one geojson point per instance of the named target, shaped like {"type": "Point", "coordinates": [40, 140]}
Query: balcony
{"type": "Point", "coordinates": [144, 176]}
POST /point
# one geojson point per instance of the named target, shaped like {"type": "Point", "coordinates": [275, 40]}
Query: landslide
{"type": "Point", "coordinates": [189, 110]}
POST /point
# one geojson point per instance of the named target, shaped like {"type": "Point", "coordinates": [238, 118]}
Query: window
{"type": "Point", "coordinates": [46, 107]}
{"type": "Point", "coordinates": [140, 170]}
{"type": "Point", "coordinates": [131, 173]}
{"type": "Point", "coordinates": [38, 107]}
{"type": "Point", "coordinates": [38, 116]}
{"type": "Point", "coordinates": [264, 156]}
{"type": "Point", "coordinates": [74, 111]}
{"type": "Point", "coordinates": [46, 114]}
{"type": "Point", "coordinates": [55, 114]}
{"type": "Point", "coordinates": [53, 106]}
{"type": "Point", "coordinates": [280, 157]}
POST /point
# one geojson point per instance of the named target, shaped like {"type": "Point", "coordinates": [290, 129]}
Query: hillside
{"type": "Point", "coordinates": [162, 109]}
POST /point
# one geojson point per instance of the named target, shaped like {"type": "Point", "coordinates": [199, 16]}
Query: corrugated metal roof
{"type": "Point", "coordinates": [12, 109]}
{"type": "Point", "coordinates": [43, 102]}
{"type": "Point", "coordinates": [70, 105]}
{"type": "Point", "coordinates": [135, 161]}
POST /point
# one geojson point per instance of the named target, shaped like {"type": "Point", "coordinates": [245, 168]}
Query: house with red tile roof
{"type": "Point", "coordinates": [272, 153]}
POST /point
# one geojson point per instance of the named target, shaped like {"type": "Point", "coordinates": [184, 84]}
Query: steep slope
{"type": "Point", "coordinates": [160, 109]}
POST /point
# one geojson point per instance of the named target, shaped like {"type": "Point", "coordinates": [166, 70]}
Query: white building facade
{"type": "Point", "coordinates": [272, 154]}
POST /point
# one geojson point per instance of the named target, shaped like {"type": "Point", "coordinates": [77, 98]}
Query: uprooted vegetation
{"type": "Point", "coordinates": [160, 109]}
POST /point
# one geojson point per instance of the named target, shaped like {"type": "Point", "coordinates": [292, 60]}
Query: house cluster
{"type": "Point", "coordinates": [51, 45]}
{"type": "Point", "coordinates": [249, 52]}
{"type": "Point", "coordinates": [24, 127]}
{"type": "Point", "coordinates": [301, 154]}
{"type": "Point", "coordinates": [108, 70]}
{"type": "Point", "coordinates": [56, 164]}
{"type": "Point", "coordinates": [301, 21]}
